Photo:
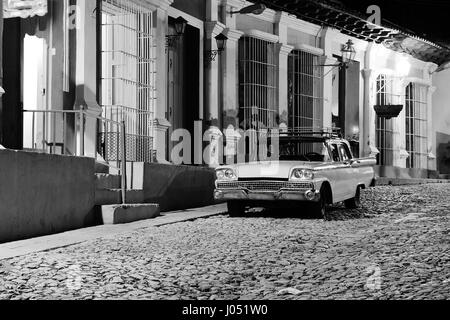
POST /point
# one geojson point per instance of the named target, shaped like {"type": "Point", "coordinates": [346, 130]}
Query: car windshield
{"type": "Point", "coordinates": [298, 150]}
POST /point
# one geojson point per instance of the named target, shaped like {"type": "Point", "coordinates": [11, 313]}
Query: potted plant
{"type": "Point", "coordinates": [388, 111]}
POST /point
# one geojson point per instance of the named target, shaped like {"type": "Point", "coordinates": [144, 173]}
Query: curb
{"type": "Point", "coordinates": [405, 182]}
{"type": "Point", "coordinates": [29, 246]}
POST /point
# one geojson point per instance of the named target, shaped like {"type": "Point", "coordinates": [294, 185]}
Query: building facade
{"type": "Point", "coordinates": [123, 61]}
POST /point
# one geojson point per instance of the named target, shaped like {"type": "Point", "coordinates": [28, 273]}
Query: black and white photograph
{"type": "Point", "coordinates": [224, 155]}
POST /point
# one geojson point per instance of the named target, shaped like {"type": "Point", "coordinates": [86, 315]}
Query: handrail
{"type": "Point", "coordinates": [83, 114]}
{"type": "Point", "coordinates": [75, 112]}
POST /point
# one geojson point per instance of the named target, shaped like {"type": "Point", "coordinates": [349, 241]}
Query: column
{"type": "Point", "coordinates": [86, 73]}
{"type": "Point", "coordinates": [328, 92]}
{"type": "Point", "coordinates": [212, 116]}
{"type": "Point", "coordinates": [432, 165]}
{"type": "Point", "coordinates": [369, 116]}
{"type": "Point", "coordinates": [281, 30]}
{"type": "Point", "coordinates": [327, 46]}
{"type": "Point", "coordinates": [1, 70]}
{"type": "Point", "coordinates": [161, 123]}
{"type": "Point", "coordinates": [399, 124]}
{"type": "Point", "coordinates": [230, 76]}
{"type": "Point", "coordinates": [1, 49]}
{"type": "Point", "coordinates": [283, 86]}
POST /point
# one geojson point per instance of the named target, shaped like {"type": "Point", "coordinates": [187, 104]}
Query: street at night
{"type": "Point", "coordinates": [396, 246]}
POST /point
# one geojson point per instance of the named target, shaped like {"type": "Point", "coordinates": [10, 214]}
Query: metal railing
{"type": "Point", "coordinates": [66, 130]}
{"type": "Point", "coordinates": [139, 137]}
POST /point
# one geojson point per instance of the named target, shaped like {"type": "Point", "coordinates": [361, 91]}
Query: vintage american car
{"type": "Point", "coordinates": [313, 170]}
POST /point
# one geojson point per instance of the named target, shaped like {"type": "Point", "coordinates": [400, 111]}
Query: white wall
{"type": "Point", "coordinates": [441, 120]}
{"type": "Point", "coordinates": [441, 102]}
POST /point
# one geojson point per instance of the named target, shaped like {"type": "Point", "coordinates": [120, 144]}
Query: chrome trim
{"type": "Point", "coordinates": [284, 195]}
{"type": "Point", "coordinates": [265, 185]}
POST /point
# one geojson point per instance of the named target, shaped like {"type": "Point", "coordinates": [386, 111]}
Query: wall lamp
{"type": "Point", "coordinates": [180, 28]}
{"type": "Point", "coordinates": [348, 55]}
{"type": "Point", "coordinates": [210, 55]}
{"type": "Point", "coordinates": [254, 9]}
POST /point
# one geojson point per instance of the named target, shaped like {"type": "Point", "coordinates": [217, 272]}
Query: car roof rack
{"type": "Point", "coordinates": [330, 133]}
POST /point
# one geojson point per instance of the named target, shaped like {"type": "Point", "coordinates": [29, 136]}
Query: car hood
{"type": "Point", "coordinates": [271, 169]}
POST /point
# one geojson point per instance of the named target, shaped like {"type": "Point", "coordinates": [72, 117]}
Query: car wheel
{"type": "Point", "coordinates": [235, 208]}
{"type": "Point", "coordinates": [320, 208]}
{"type": "Point", "coordinates": [355, 202]}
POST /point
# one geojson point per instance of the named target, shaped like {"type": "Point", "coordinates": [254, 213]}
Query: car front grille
{"type": "Point", "coordinates": [264, 185]}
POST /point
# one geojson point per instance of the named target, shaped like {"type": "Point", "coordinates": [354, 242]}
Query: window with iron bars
{"type": "Point", "coordinates": [416, 126]}
{"type": "Point", "coordinates": [305, 91]}
{"type": "Point", "coordinates": [128, 76]}
{"type": "Point", "coordinates": [384, 127]}
{"type": "Point", "coordinates": [258, 88]}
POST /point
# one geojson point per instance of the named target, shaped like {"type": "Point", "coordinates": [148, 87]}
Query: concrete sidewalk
{"type": "Point", "coordinates": [24, 247]}
{"type": "Point", "coordinates": [403, 182]}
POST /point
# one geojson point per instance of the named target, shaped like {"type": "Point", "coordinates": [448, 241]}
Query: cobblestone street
{"type": "Point", "coordinates": [396, 246]}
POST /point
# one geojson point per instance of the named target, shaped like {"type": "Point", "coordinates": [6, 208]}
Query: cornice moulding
{"type": "Point", "coordinates": [156, 4]}
{"type": "Point", "coordinates": [213, 28]}
{"type": "Point", "coordinates": [285, 49]}
{"type": "Point", "coordinates": [233, 34]}
{"type": "Point", "coordinates": [310, 49]}
{"type": "Point", "coordinates": [261, 35]}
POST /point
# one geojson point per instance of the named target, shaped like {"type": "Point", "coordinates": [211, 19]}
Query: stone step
{"type": "Point", "coordinates": [118, 214]}
{"type": "Point", "coordinates": [444, 176]}
{"type": "Point", "coordinates": [107, 181]}
{"type": "Point", "coordinates": [101, 168]}
{"type": "Point", "coordinates": [114, 197]}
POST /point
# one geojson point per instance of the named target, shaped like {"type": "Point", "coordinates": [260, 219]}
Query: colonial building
{"type": "Point", "coordinates": [213, 66]}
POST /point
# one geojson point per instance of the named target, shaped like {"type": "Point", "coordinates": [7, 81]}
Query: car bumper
{"type": "Point", "coordinates": [282, 195]}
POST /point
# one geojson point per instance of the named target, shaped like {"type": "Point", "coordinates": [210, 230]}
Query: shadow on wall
{"type": "Point", "coordinates": [443, 152]}
{"type": "Point", "coordinates": [43, 194]}
{"type": "Point", "coordinates": [174, 187]}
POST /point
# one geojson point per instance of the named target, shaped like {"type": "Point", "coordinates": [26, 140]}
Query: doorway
{"type": "Point", "coordinates": [345, 102]}
{"type": "Point", "coordinates": [183, 81]}
{"type": "Point", "coordinates": [11, 121]}
{"type": "Point", "coordinates": [34, 90]}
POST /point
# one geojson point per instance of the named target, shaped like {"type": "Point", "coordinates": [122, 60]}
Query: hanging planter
{"type": "Point", "coordinates": [388, 111]}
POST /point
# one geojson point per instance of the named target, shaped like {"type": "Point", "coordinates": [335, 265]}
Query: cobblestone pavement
{"type": "Point", "coordinates": [395, 247]}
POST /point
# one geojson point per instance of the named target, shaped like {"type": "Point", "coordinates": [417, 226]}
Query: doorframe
{"type": "Point", "coordinates": [199, 24]}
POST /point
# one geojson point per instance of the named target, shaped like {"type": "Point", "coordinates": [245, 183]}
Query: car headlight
{"type": "Point", "coordinates": [225, 174]}
{"type": "Point", "coordinates": [302, 174]}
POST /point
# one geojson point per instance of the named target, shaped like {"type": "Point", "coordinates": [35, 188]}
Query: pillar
{"type": "Point", "coordinates": [86, 73]}
{"type": "Point", "coordinates": [327, 46]}
{"type": "Point", "coordinates": [212, 110]}
{"type": "Point", "coordinates": [281, 30]}
{"type": "Point", "coordinates": [432, 163]}
{"type": "Point", "coordinates": [230, 79]}
{"type": "Point", "coordinates": [161, 123]}
{"type": "Point", "coordinates": [283, 86]}
{"type": "Point", "coordinates": [1, 71]}
{"type": "Point", "coordinates": [368, 141]}
{"type": "Point", "coordinates": [369, 130]}
{"type": "Point", "coordinates": [212, 114]}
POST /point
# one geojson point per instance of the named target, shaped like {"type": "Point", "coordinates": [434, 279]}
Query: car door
{"type": "Point", "coordinates": [348, 172]}
{"type": "Point", "coordinates": [336, 174]}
